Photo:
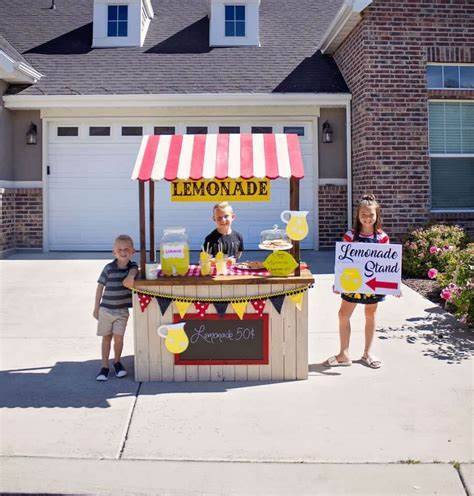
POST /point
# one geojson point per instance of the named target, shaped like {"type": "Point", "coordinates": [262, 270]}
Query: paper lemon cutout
{"type": "Point", "coordinates": [280, 263]}
{"type": "Point", "coordinates": [351, 279]}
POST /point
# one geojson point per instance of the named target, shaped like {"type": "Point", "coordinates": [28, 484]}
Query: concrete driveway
{"type": "Point", "coordinates": [404, 429]}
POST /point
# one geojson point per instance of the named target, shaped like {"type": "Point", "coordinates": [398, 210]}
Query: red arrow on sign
{"type": "Point", "coordinates": [374, 284]}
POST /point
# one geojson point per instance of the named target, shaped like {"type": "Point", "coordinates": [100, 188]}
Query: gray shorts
{"type": "Point", "coordinates": [112, 321]}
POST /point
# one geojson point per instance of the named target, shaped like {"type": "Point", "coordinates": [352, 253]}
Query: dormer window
{"type": "Point", "coordinates": [235, 20]}
{"type": "Point", "coordinates": [234, 23]}
{"type": "Point", "coordinates": [121, 23]}
{"type": "Point", "coordinates": [117, 20]}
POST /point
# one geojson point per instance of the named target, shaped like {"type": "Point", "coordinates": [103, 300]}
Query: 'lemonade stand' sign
{"type": "Point", "coordinates": [249, 190]}
{"type": "Point", "coordinates": [368, 268]}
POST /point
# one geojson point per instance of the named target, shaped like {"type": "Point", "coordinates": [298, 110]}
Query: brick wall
{"type": "Point", "coordinates": [383, 62]}
{"type": "Point", "coordinates": [21, 214]}
{"type": "Point", "coordinates": [332, 214]}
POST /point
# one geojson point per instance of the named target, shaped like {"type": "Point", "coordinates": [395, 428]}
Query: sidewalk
{"type": "Point", "coordinates": [355, 424]}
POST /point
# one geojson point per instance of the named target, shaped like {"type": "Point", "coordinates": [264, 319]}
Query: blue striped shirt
{"type": "Point", "coordinates": [115, 295]}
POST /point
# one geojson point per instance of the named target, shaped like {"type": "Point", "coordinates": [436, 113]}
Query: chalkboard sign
{"type": "Point", "coordinates": [226, 340]}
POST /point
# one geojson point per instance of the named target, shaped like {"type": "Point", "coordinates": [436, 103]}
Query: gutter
{"type": "Point", "coordinates": [39, 102]}
{"type": "Point", "coordinates": [346, 19]}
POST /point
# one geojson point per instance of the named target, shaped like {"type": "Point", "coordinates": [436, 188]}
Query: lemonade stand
{"type": "Point", "coordinates": [213, 321]}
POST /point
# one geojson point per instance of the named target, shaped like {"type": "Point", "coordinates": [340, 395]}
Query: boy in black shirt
{"type": "Point", "coordinates": [230, 241]}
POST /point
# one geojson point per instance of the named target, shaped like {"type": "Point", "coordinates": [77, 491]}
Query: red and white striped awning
{"type": "Point", "coordinates": [218, 156]}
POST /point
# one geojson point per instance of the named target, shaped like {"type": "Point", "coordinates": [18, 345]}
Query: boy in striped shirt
{"type": "Point", "coordinates": [112, 301]}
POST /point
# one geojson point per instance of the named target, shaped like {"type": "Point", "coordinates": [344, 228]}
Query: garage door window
{"type": "Point", "coordinates": [68, 131]}
{"type": "Point", "coordinates": [132, 131]}
{"type": "Point", "coordinates": [168, 130]}
{"type": "Point", "coordinates": [99, 131]}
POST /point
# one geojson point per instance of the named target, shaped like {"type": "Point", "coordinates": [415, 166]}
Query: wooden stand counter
{"type": "Point", "coordinates": [285, 339]}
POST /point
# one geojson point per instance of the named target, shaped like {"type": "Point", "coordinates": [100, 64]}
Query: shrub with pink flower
{"type": "Point", "coordinates": [433, 273]}
{"type": "Point", "coordinates": [434, 250]}
{"type": "Point", "coordinates": [446, 294]}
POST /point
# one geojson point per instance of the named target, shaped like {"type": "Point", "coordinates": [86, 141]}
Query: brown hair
{"type": "Point", "coordinates": [367, 201]}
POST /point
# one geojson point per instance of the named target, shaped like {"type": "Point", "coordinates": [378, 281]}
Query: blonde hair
{"type": "Point", "coordinates": [222, 206]}
{"type": "Point", "coordinates": [125, 238]}
{"type": "Point", "coordinates": [368, 201]}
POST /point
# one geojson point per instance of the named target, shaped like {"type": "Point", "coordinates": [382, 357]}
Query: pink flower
{"type": "Point", "coordinates": [432, 273]}
{"type": "Point", "coordinates": [434, 249]}
{"type": "Point", "coordinates": [446, 294]}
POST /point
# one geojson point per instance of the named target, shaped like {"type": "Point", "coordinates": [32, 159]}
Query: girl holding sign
{"type": "Point", "coordinates": [368, 229]}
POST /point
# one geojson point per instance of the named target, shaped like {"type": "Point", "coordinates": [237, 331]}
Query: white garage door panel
{"type": "Point", "coordinates": [91, 199]}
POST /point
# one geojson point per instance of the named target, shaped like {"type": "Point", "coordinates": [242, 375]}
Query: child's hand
{"type": "Point", "coordinates": [95, 313]}
{"type": "Point", "coordinates": [334, 290]}
{"type": "Point", "coordinates": [129, 281]}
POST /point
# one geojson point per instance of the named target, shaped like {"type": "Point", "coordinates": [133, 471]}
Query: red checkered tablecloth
{"type": "Point", "coordinates": [195, 271]}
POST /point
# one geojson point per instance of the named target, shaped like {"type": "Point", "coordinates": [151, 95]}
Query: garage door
{"type": "Point", "coordinates": [91, 198]}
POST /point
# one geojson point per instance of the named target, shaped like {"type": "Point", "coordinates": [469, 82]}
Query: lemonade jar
{"type": "Point", "coordinates": [297, 225]}
{"type": "Point", "coordinates": [174, 252]}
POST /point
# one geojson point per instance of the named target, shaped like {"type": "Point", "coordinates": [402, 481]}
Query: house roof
{"type": "Point", "coordinates": [176, 57]}
{"type": "Point", "coordinates": [13, 67]}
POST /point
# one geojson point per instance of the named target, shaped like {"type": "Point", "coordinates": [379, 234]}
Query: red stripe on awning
{"type": "Point", "coordinates": [198, 156]}
{"type": "Point", "coordinates": [271, 162]}
{"type": "Point", "coordinates": [173, 157]}
{"type": "Point", "coordinates": [296, 159]}
{"type": "Point", "coordinates": [246, 156]}
{"type": "Point", "coordinates": [148, 158]}
{"type": "Point", "coordinates": [222, 155]}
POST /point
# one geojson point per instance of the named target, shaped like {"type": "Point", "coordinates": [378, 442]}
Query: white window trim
{"type": "Point", "coordinates": [448, 155]}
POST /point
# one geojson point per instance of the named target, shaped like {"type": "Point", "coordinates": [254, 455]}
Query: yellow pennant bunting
{"type": "Point", "coordinates": [297, 299]}
{"type": "Point", "coordinates": [182, 307]}
{"type": "Point", "coordinates": [239, 308]}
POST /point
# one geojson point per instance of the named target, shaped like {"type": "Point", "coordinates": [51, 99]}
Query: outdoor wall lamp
{"type": "Point", "coordinates": [32, 134]}
{"type": "Point", "coordinates": [327, 132]}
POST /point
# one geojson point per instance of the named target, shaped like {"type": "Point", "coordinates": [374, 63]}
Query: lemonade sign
{"type": "Point", "coordinates": [368, 268]}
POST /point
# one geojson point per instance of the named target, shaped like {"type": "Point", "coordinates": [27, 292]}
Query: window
{"type": "Point", "coordinates": [229, 129]}
{"type": "Point", "coordinates": [235, 20]}
{"type": "Point", "coordinates": [262, 130]}
{"type": "Point", "coordinates": [451, 146]}
{"type": "Point", "coordinates": [99, 131]}
{"type": "Point", "coordinates": [196, 130]}
{"type": "Point", "coordinates": [450, 76]}
{"type": "Point", "coordinates": [117, 20]}
{"type": "Point", "coordinates": [68, 131]}
{"type": "Point", "coordinates": [299, 130]}
{"type": "Point", "coordinates": [132, 131]}
{"type": "Point", "coordinates": [163, 130]}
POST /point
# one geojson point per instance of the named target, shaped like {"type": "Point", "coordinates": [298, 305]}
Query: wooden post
{"type": "Point", "coordinates": [295, 205]}
{"type": "Point", "coordinates": [152, 221]}
{"type": "Point", "coordinates": [141, 202]}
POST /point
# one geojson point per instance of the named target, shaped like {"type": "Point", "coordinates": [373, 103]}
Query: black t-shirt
{"type": "Point", "coordinates": [231, 243]}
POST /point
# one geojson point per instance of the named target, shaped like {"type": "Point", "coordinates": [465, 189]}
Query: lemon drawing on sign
{"type": "Point", "coordinates": [176, 340]}
{"type": "Point", "coordinates": [351, 279]}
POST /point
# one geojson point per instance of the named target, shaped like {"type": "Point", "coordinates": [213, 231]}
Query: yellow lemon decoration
{"type": "Point", "coordinates": [351, 279]}
{"type": "Point", "coordinates": [297, 225]}
{"type": "Point", "coordinates": [176, 340]}
{"type": "Point", "coordinates": [280, 263]}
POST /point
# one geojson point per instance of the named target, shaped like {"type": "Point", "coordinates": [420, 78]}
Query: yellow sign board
{"type": "Point", "coordinates": [280, 263]}
{"type": "Point", "coordinates": [217, 190]}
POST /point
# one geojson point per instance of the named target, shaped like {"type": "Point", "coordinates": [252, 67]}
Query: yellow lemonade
{"type": "Point", "coordinates": [205, 263]}
{"type": "Point", "coordinates": [174, 259]}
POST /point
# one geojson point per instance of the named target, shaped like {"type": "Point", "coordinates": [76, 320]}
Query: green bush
{"type": "Point", "coordinates": [432, 247]}
{"type": "Point", "coordinates": [457, 282]}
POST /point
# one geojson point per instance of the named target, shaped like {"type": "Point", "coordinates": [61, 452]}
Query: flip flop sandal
{"type": "Point", "coordinates": [372, 362]}
{"type": "Point", "coordinates": [333, 362]}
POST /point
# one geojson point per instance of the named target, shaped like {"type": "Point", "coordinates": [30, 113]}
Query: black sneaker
{"type": "Point", "coordinates": [119, 370]}
{"type": "Point", "coordinates": [103, 374]}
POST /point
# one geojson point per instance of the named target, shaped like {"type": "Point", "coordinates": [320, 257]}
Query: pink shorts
{"type": "Point", "coordinates": [112, 321]}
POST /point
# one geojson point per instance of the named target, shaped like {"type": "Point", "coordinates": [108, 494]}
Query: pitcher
{"type": "Point", "coordinates": [176, 340]}
{"type": "Point", "coordinates": [297, 226]}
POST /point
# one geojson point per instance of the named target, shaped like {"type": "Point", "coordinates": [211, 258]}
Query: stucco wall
{"type": "Point", "coordinates": [332, 156]}
{"type": "Point", "coordinates": [6, 132]}
{"type": "Point", "coordinates": [26, 158]}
